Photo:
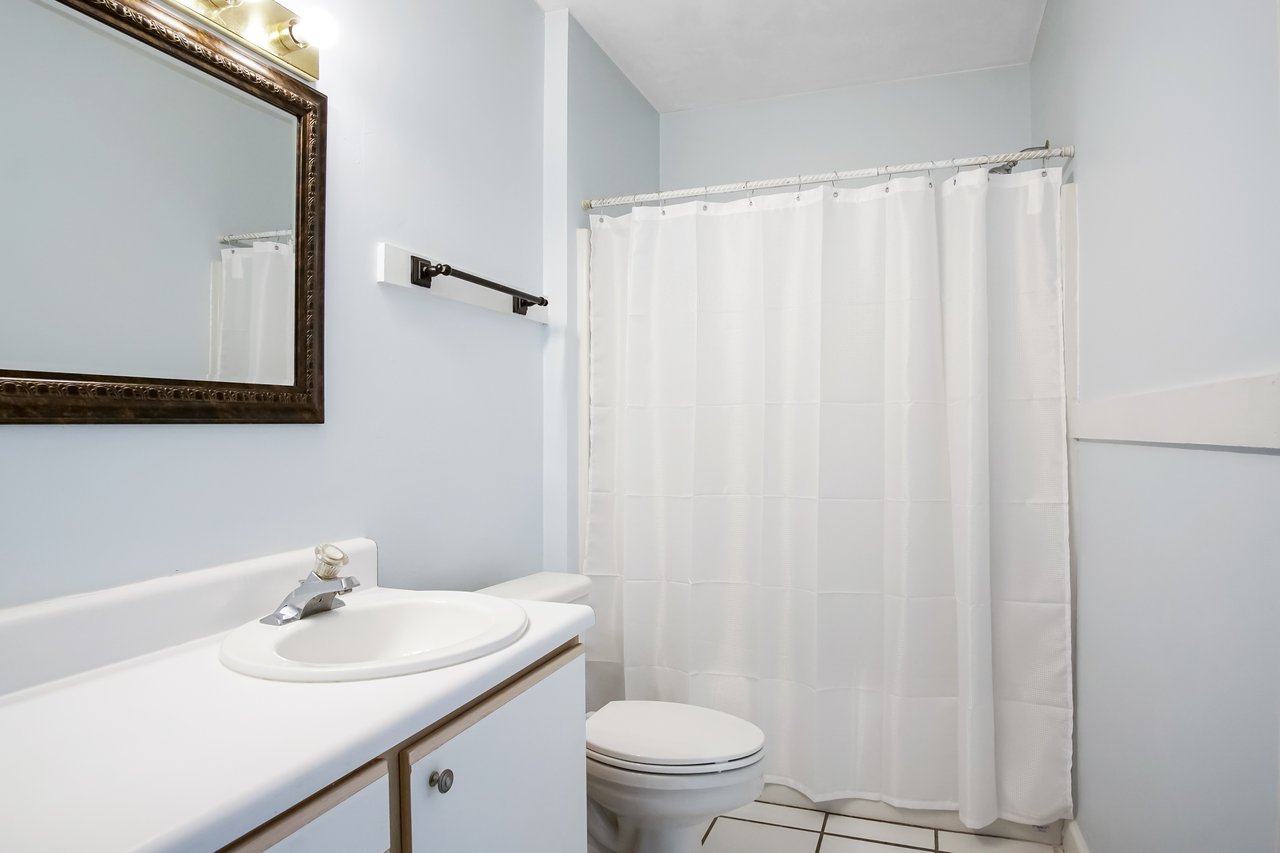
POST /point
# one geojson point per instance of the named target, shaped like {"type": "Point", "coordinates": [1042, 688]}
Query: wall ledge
{"type": "Point", "coordinates": [1241, 413]}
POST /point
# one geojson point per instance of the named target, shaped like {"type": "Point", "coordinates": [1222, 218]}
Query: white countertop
{"type": "Point", "coordinates": [172, 751]}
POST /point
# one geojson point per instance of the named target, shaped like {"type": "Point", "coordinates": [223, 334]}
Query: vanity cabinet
{"type": "Point", "coordinates": [508, 774]}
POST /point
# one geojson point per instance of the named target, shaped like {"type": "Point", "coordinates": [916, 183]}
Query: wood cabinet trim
{"type": "Point", "coordinates": [289, 822]}
{"type": "Point", "coordinates": [430, 739]}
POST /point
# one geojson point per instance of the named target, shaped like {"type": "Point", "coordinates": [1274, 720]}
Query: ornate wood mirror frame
{"type": "Point", "coordinates": [38, 397]}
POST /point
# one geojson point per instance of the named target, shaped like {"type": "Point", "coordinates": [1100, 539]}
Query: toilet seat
{"type": "Point", "coordinates": [674, 769]}
{"type": "Point", "coordinates": [671, 738]}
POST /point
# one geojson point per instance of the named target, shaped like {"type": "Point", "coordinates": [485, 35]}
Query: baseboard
{"type": "Point", "coordinates": [1072, 839]}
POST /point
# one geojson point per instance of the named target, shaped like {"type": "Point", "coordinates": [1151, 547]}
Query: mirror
{"type": "Point", "coordinates": [162, 225]}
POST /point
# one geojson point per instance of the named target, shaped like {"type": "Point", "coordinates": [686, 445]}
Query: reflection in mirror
{"type": "Point", "coordinates": [251, 313]}
{"type": "Point", "coordinates": [129, 183]}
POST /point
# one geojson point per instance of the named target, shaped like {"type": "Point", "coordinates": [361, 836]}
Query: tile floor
{"type": "Point", "coordinates": [768, 828]}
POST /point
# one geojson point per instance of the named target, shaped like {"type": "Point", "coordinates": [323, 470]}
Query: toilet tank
{"type": "Point", "coordinates": [544, 586]}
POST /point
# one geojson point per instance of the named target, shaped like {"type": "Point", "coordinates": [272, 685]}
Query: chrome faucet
{"type": "Point", "coordinates": [318, 591]}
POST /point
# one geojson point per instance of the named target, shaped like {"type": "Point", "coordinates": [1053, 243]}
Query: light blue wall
{"type": "Point", "coordinates": [608, 144]}
{"type": "Point", "coordinates": [1178, 240]}
{"type": "Point", "coordinates": [1178, 649]}
{"type": "Point", "coordinates": [613, 130]}
{"type": "Point", "coordinates": [1178, 593]}
{"type": "Point", "coordinates": [432, 444]}
{"type": "Point", "coordinates": [980, 112]}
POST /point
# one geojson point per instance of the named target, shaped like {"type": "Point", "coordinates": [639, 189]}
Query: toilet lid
{"type": "Point", "coordinates": [670, 734]}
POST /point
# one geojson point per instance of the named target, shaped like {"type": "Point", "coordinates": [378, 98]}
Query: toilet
{"type": "Point", "coordinates": [657, 772]}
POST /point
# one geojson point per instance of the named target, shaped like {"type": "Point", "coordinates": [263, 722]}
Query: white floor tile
{"type": "Point", "coordinates": [838, 844]}
{"type": "Point", "coordinates": [874, 830]}
{"type": "Point", "coordinates": [784, 816]}
{"type": "Point", "coordinates": [740, 836]}
{"type": "Point", "coordinates": [958, 842]}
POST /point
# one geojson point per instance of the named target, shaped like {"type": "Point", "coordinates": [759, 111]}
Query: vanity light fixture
{"type": "Point", "coordinates": [287, 38]}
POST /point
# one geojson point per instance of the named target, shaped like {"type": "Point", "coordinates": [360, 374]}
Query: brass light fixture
{"type": "Point", "coordinates": [268, 28]}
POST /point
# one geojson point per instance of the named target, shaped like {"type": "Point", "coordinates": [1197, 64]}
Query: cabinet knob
{"type": "Point", "coordinates": [441, 780]}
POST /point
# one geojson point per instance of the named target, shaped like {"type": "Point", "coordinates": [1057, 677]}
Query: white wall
{"type": "Point", "coordinates": [432, 444]}
{"type": "Point", "coordinates": [980, 112]}
{"type": "Point", "coordinates": [1177, 550]}
{"type": "Point", "coordinates": [601, 137]}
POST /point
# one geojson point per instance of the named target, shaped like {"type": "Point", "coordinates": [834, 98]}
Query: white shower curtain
{"type": "Point", "coordinates": [828, 484]}
{"type": "Point", "coordinates": [251, 294]}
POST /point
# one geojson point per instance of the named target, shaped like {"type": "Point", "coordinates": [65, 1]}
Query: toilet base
{"type": "Point", "coordinates": [633, 812]}
{"type": "Point", "coordinates": [607, 833]}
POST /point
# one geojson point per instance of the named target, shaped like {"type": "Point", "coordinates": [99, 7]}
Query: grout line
{"type": "Point", "coordinates": [895, 845]}
{"type": "Point", "coordinates": [937, 840]}
{"type": "Point", "coordinates": [826, 833]}
{"type": "Point", "coordinates": [766, 823]}
{"type": "Point", "coordinates": [707, 834]}
{"type": "Point", "coordinates": [789, 806]}
{"type": "Point", "coordinates": [872, 819]}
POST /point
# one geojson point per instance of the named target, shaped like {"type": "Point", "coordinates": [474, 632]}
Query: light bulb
{"type": "Point", "coordinates": [317, 29]}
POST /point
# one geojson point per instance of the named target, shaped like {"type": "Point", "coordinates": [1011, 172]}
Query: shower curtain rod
{"type": "Point", "coordinates": [254, 235]}
{"type": "Point", "coordinates": [1065, 151]}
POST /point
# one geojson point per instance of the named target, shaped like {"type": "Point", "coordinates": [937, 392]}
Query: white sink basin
{"type": "Point", "coordinates": [379, 633]}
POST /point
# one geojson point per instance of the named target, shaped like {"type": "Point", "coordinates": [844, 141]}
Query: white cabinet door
{"type": "Point", "coordinates": [351, 816]}
{"type": "Point", "coordinates": [518, 772]}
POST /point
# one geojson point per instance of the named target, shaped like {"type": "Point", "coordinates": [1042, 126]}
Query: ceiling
{"type": "Point", "coordinates": [688, 54]}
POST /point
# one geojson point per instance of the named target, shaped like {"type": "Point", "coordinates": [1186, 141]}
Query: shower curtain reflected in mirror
{"type": "Point", "coordinates": [251, 314]}
{"type": "Point", "coordinates": [828, 483]}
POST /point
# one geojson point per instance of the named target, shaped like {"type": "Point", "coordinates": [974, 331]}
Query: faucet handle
{"type": "Point", "coordinates": [329, 558]}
